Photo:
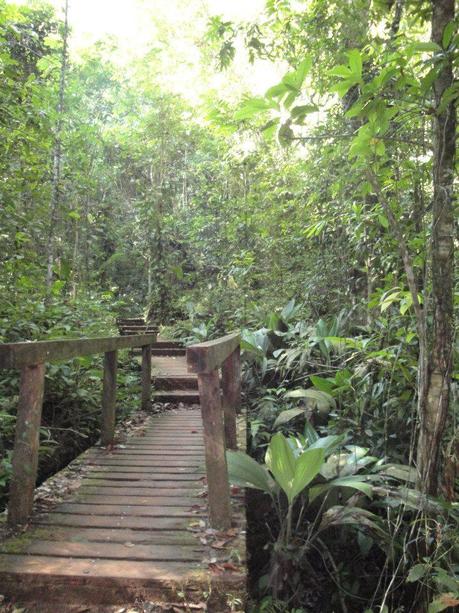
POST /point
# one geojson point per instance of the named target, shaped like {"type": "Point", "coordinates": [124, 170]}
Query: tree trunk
{"type": "Point", "coordinates": [57, 158]}
{"type": "Point", "coordinates": [434, 403]}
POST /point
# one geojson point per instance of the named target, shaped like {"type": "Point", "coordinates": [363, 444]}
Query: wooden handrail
{"type": "Point", "coordinates": [218, 415]}
{"type": "Point", "coordinates": [18, 355]}
{"type": "Point", "coordinates": [31, 358]}
{"type": "Point", "coordinates": [206, 357]}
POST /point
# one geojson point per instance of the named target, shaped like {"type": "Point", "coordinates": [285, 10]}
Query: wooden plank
{"type": "Point", "coordinates": [67, 567]}
{"type": "Point", "coordinates": [143, 485]}
{"type": "Point", "coordinates": [146, 378]}
{"type": "Point", "coordinates": [184, 491]}
{"type": "Point", "coordinates": [206, 357]}
{"type": "Point", "coordinates": [123, 510]}
{"type": "Point", "coordinates": [231, 386]}
{"type": "Point", "coordinates": [109, 398]}
{"type": "Point", "coordinates": [25, 452]}
{"type": "Point", "coordinates": [214, 439]}
{"type": "Point", "coordinates": [18, 355]}
{"type": "Point", "coordinates": [99, 583]}
{"type": "Point", "coordinates": [172, 465]}
{"type": "Point", "coordinates": [103, 535]}
{"type": "Point", "coordinates": [137, 500]}
{"type": "Point", "coordinates": [155, 462]}
{"type": "Point", "coordinates": [135, 452]}
{"type": "Point", "coordinates": [113, 551]}
{"type": "Point", "coordinates": [143, 454]}
{"type": "Point", "coordinates": [114, 521]}
{"type": "Point", "coordinates": [145, 475]}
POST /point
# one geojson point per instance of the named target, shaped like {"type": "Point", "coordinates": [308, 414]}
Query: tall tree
{"type": "Point", "coordinates": [434, 405]}
{"type": "Point", "coordinates": [57, 155]}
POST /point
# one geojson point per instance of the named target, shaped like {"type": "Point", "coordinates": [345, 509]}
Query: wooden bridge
{"type": "Point", "coordinates": [153, 518]}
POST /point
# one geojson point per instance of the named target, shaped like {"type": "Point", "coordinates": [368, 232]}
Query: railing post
{"type": "Point", "coordinates": [214, 441]}
{"type": "Point", "coordinates": [109, 398]}
{"type": "Point", "coordinates": [231, 385]}
{"type": "Point", "coordinates": [27, 440]}
{"type": "Point", "coordinates": [146, 377]}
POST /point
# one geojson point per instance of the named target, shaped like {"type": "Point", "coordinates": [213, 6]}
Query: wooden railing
{"type": "Point", "coordinates": [31, 359]}
{"type": "Point", "coordinates": [218, 408]}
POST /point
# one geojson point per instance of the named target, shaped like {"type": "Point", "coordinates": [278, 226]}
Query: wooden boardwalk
{"type": "Point", "coordinates": [133, 531]}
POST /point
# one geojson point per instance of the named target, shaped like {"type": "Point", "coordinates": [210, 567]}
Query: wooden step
{"type": "Point", "coordinates": [177, 395]}
{"type": "Point", "coordinates": [172, 382]}
{"type": "Point", "coordinates": [164, 344]}
{"type": "Point", "coordinates": [172, 351]}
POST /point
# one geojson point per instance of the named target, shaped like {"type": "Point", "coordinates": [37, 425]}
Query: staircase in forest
{"type": "Point", "coordinates": [171, 379]}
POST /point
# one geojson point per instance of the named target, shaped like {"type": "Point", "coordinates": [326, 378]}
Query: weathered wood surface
{"type": "Point", "coordinates": [25, 454]}
{"type": "Point", "coordinates": [214, 441]}
{"type": "Point", "coordinates": [231, 386]}
{"type": "Point", "coordinates": [126, 535]}
{"type": "Point", "coordinates": [146, 377]}
{"type": "Point", "coordinates": [172, 381]}
{"type": "Point", "coordinates": [109, 398]}
{"type": "Point", "coordinates": [206, 357]}
{"type": "Point", "coordinates": [220, 432]}
{"type": "Point", "coordinates": [18, 355]}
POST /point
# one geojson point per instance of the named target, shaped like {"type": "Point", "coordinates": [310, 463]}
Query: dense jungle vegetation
{"type": "Point", "coordinates": [318, 218]}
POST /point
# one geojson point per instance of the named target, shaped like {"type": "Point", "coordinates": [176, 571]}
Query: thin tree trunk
{"type": "Point", "coordinates": [57, 157]}
{"type": "Point", "coordinates": [433, 407]}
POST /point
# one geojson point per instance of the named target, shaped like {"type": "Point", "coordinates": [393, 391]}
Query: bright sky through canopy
{"type": "Point", "coordinates": [138, 26]}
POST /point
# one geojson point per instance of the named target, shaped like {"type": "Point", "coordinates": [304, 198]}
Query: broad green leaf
{"type": "Point", "coordinates": [343, 87]}
{"type": "Point", "coordinates": [328, 443]}
{"type": "Point", "coordinates": [322, 399]}
{"type": "Point", "coordinates": [298, 113]}
{"type": "Point", "coordinates": [448, 34]}
{"type": "Point", "coordinates": [253, 107]}
{"type": "Point", "coordinates": [294, 79]}
{"type": "Point", "coordinates": [307, 467]}
{"type": "Point", "coordinates": [287, 415]}
{"type": "Point", "coordinates": [355, 62]}
{"type": "Point", "coordinates": [246, 472]}
{"type": "Point", "coordinates": [276, 91]}
{"type": "Point", "coordinates": [340, 71]}
{"type": "Point", "coordinates": [355, 482]}
{"type": "Point", "coordinates": [323, 385]}
{"type": "Point", "coordinates": [281, 462]}
{"type": "Point", "coordinates": [416, 572]}
{"type": "Point", "coordinates": [423, 47]}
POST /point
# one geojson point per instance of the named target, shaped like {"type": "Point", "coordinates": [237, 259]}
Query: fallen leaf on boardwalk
{"type": "Point", "coordinates": [225, 534]}
{"type": "Point", "coordinates": [129, 545]}
{"type": "Point", "coordinates": [230, 566]}
{"type": "Point", "coordinates": [216, 569]}
{"type": "Point", "coordinates": [219, 544]}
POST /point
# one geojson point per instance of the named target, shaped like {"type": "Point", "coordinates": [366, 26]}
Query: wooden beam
{"type": "Point", "coordinates": [206, 357]}
{"type": "Point", "coordinates": [231, 386]}
{"type": "Point", "coordinates": [109, 398]}
{"type": "Point", "coordinates": [18, 355]}
{"type": "Point", "coordinates": [146, 377]}
{"type": "Point", "coordinates": [214, 441]}
{"type": "Point", "coordinates": [25, 453]}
